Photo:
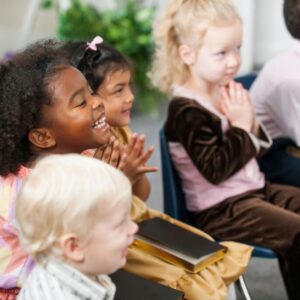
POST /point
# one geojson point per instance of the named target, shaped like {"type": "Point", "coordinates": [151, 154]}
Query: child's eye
{"type": "Point", "coordinates": [238, 49]}
{"type": "Point", "coordinates": [121, 223]}
{"type": "Point", "coordinates": [118, 91]}
{"type": "Point", "coordinates": [220, 54]}
{"type": "Point", "coordinates": [82, 102]}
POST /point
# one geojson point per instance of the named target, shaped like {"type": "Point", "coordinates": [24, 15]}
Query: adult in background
{"type": "Point", "coordinates": [276, 97]}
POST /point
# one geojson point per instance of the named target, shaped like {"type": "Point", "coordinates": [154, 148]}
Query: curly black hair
{"type": "Point", "coordinates": [291, 13]}
{"type": "Point", "coordinates": [23, 92]}
{"type": "Point", "coordinates": [95, 64]}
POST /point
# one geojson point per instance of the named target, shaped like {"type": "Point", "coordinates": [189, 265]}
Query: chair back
{"type": "Point", "coordinates": [174, 200]}
{"type": "Point", "coordinates": [246, 80]}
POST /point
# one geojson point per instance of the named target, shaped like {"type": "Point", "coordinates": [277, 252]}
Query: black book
{"type": "Point", "coordinates": [133, 287]}
{"type": "Point", "coordinates": [177, 244]}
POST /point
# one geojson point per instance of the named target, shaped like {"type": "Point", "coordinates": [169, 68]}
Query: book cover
{"type": "Point", "coordinates": [177, 245]}
{"type": "Point", "coordinates": [133, 287]}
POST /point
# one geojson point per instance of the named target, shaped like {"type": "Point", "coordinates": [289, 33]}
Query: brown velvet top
{"type": "Point", "coordinates": [215, 154]}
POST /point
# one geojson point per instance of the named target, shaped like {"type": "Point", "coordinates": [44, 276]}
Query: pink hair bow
{"type": "Point", "coordinates": [93, 44]}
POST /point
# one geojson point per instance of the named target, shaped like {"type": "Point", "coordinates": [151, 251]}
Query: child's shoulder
{"type": "Point", "coordinates": [14, 179]}
{"type": "Point", "coordinates": [123, 134]}
{"type": "Point", "coordinates": [180, 102]}
{"type": "Point", "coordinates": [187, 106]}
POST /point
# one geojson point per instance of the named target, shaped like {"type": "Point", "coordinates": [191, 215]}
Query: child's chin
{"type": "Point", "coordinates": [122, 264]}
{"type": "Point", "coordinates": [225, 81]}
{"type": "Point", "coordinates": [123, 123]}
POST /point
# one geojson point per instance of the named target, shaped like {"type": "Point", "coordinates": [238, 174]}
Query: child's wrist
{"type": "Point", "coordinates": [255, 127]}
{"type": "Point", "coordinates": [245, 127]}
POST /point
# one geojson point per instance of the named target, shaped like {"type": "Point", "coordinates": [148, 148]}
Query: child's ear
{"type": "Point", "coordinates": [71, 247]}
{"type": "Point", "coordinates": [42, 138]}
{"type": "Point", "coordinates": [187, 54]}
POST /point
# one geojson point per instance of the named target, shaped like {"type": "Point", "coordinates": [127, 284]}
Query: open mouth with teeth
{"type": "Point", "coordinates": [100, 123]}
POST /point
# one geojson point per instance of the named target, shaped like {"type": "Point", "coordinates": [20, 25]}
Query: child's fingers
{"type": "Point", "coordinates": [145, 157]}
{"type": "Point", "coordinates": [106, 154]}
{"type": "Point", "coordinates": [239, 94]}
{"type": "Point", "coordinates": [225, 100]}
{"type": "Point", "coordinates": [139, 146]}
{"type": "Point", "coordinates": [115, 154]}
{"type": "Point", "coordinates": [99, 153]}
{"type": "Point", "coordinates": [247, 97]}
{"type": "Point", "coordinates": [122, 162]}
{"type": "Point", "coordinates": [132, 142]}
{"type": "Point", "coordinates": [232, 92]}
{"type": "Point", "coordinates": [149, 169]}
{"type": "Point", "coordinates": [108, 150]}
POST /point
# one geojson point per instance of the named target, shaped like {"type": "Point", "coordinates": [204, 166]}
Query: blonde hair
{"type": "Point", "coordinates": [184, 22]}
{"type": "Point", "coordinates": [65, 194]}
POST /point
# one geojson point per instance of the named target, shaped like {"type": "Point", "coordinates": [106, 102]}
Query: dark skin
{"type": "Point", "coordinates": [75, 121]}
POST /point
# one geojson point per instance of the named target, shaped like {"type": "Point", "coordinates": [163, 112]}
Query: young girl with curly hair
{"type": "Point", "coordinates": [46, 106]}
{"type": "Point", "coordinates": [109, 75]}
{"type": "Point", "coordinates": [214, 136]}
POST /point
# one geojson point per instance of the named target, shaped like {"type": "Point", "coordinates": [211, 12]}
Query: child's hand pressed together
{"type": "Point", "coordinates": [238, 108]}
{"type": "Point", "coordinates": [136, 158]}
{"type": "Point", "coordinates": [112, 153]}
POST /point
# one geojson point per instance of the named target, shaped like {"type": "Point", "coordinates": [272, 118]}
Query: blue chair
{"type": "Point", "coordinates": [246, 80]}
{"type": "Point", "coordinates": [174, 201]}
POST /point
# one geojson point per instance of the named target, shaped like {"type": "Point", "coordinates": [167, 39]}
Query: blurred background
{"type": "Point", "coordinates": [23, 21]}
{"type": "Point", "coordinates": [126, 24]}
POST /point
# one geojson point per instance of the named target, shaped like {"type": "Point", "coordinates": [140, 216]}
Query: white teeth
{"type": "Point", "coordinates": [100, 123]}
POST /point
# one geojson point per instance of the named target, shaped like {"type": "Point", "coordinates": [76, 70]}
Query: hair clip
{"type": "Point", "coordinates": [93, 44]}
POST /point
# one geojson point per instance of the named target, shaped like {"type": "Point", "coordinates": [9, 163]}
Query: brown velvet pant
{"type": "Point", "coordinates": [269, 217]}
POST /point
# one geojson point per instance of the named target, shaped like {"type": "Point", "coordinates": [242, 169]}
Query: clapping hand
{"type": "Point", "coordinates": [112, 153]}
{"type": "Point", "coordinates": [135, 163]}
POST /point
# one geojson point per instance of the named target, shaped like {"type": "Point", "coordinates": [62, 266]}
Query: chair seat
{"type": "Point", "coordinates": [263, 252]}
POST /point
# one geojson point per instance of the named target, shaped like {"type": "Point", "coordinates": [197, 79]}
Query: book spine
{"type": "Point", "coordinates": [177, 261]}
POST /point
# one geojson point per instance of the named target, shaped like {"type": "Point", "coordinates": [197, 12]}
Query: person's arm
{"type": "Point", "coordinates": [260, 138]}
{"type": "Point", "coordinates": [216, 156]}
{"type": "Point", "coordinates": [284, 107]}
{"type": "Point", "coordinates": [142, 188]}
{"type": "Point", "coordinates": [136, 166]}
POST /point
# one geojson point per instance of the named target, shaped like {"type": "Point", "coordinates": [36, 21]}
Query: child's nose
{"type": "Point", "coordinates": [233, 60]}
{"type": "Point", "coordinates": [130, 97]}
{"type": "Point", "coordinates": [97, 101]}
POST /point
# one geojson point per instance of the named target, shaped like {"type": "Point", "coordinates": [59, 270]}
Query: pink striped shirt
{"type": "Point", "coordinates": [15, 264]}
